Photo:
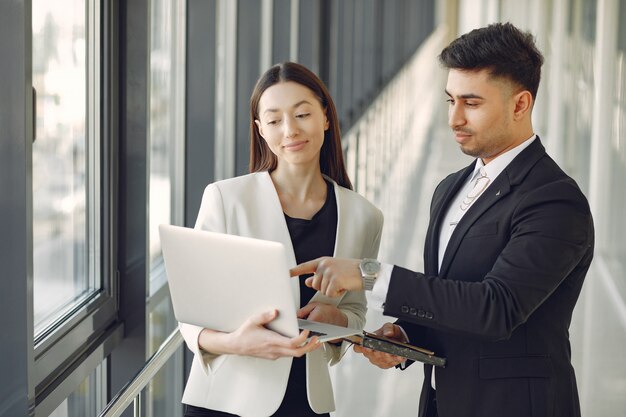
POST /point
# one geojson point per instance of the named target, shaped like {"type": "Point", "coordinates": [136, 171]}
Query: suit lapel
{"type": "Point", "coordinates": [512, 175]}
{"type": "Point", "coordinates": [438, 211]}
{"type": "Point", "coordinates": [498, 189]}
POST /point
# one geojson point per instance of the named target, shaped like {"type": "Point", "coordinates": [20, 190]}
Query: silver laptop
{"type": "Point", "coordinates": [218, 281]}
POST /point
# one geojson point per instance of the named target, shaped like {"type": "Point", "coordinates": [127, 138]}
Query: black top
{"type": "Point", "coordinates": [310, 239]}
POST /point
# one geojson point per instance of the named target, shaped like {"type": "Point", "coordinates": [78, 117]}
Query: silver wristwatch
{"type": "Point", "coordinates": [369, 272]}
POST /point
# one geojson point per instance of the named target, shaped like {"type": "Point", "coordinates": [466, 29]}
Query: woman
{"type": "Point", "coordinates": [298, 194]}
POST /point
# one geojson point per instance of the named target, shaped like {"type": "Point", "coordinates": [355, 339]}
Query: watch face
{"type": "Point", "coordinates": [371, 267]}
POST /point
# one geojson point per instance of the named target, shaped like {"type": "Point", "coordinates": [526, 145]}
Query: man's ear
{"type": "Point", "coordinates": [523, 104]}
{"type": "Point", "coordinates": [259, 127]}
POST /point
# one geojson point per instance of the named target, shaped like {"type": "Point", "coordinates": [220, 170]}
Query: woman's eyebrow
{"type": "Point", "coordinates": [301, 102]}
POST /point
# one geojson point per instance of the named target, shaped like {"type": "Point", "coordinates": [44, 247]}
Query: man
{"type": "Point", "coordinates": [508, 246]}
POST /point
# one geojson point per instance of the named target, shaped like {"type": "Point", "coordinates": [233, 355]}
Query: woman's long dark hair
{"type": "Point", "coordinates": [331, 155]}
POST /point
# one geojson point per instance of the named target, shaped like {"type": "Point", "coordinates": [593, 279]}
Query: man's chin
{"type": "Point", "coordinates": [469, 151]}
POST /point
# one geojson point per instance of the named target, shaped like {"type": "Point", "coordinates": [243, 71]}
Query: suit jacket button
{"type": "Point", "coordinates": [429, 315]}
{"type": "Point", "coordinates": [404, 309]}
{"type": "Point", "coordinates": [420, 314]}
{"type": "Point", "coordinates": [413, 311]}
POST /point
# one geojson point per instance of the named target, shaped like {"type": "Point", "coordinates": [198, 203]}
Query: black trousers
{"type": "Point", "coordinates": [431, 405]}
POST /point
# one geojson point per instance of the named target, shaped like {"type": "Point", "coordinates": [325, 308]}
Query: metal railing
{"type": "Point", "coordinates": [131, 393]}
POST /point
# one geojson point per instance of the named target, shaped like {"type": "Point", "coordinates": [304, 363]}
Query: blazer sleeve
{"type": "Point", "coordinates": [211, 218]}
{"type": "Point", "coordinates": [354, 303]}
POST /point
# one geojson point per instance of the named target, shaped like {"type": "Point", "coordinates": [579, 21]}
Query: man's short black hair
{"type": "Point", "coordinates": [502, 49]}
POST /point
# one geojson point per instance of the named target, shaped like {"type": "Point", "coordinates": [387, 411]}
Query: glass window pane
{"type": "Point", "coordinates": [60, 158]}
{"type": "Point", "coordinates": [164, 126]}
{"type": "Point", "coordinates": [88, 399]}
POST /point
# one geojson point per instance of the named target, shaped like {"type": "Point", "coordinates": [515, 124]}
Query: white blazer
{"type": "Point", "coordinates": [252, 387]}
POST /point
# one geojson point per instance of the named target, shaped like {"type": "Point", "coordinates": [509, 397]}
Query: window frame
{"type": "Point", "coordinates": [16, 117]}
{"type": "Point", "coordinates": [68, 351]}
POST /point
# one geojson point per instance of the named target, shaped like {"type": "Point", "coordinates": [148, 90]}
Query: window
{"type": "Point", "coordinates": [74, 291]}
{"type": "Point", "coordinates": [88, 399]}
{"type": "Point", "coordinates": [65, 164]}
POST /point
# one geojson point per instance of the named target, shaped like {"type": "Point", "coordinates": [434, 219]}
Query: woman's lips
{"type": "Point", "coordinates": [295, 146]}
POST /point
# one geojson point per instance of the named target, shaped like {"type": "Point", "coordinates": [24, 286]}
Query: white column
{"type": "Point", "coordinates": [294, 28]}
{"type": "Point", "coordinates": [555, 132]}
{"type": "Point", "coordinates": [225, 83]}
{"type": "Point", "coordinates": [601, 128]}
{"type": "Point", "coordinates": [599, 175]}
{"type": "Point", "coordinates": [179, 70]}
{"type": "Point", "coordinates": [267, 22]}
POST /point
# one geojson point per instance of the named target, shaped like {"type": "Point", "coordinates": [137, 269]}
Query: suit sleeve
{"type": "Point", "coordinates": [550, 237]}
{"type": "Point", "coordinates": [211, 218]}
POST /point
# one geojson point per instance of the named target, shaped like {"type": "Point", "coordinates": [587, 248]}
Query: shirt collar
{"type": "Point", "coordinates": [498, 164]}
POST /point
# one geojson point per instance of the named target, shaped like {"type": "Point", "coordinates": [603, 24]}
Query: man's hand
{"type": "Point", "coordinates": [381, 359]}
{"type": "Point", "coordinates": [331, 276]}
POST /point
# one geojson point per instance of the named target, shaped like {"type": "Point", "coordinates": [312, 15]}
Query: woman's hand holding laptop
{"type": "Point", "coordinates": [252, 338]}
{"type": "Point", "coordinates": [323, 313]}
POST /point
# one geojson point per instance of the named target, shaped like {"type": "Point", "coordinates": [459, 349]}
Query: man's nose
{"type": "Point", "coordinates": [456, 117]}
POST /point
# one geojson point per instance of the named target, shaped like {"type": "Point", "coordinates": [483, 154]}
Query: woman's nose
{"type": "Point", "coordinates": [291, 127]}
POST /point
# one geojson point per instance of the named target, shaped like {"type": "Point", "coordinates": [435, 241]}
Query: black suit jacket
{"type": "Point", "coordinates": [501, 306]}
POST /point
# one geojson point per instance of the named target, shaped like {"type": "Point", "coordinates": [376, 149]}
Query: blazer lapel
{"type": "Point", "coordinates": [272, 217]}
{"type": "Point", "coordinates": [343, 243]}
{"type": "Point", "coordinates": [342, 237]}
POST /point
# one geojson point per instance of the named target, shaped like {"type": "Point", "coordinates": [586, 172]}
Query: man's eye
{"type": "Point", "coordinates": [302, 115]}
{"type": "Point", "coordinates": [272, 122]}
{"type": "Point", "coordinates": [450, 101]}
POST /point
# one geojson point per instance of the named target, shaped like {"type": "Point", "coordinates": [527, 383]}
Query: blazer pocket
{"type": "Point", "coordinates": [482, 230]}
{"type": "Point", "coordinates": [515, 367]}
